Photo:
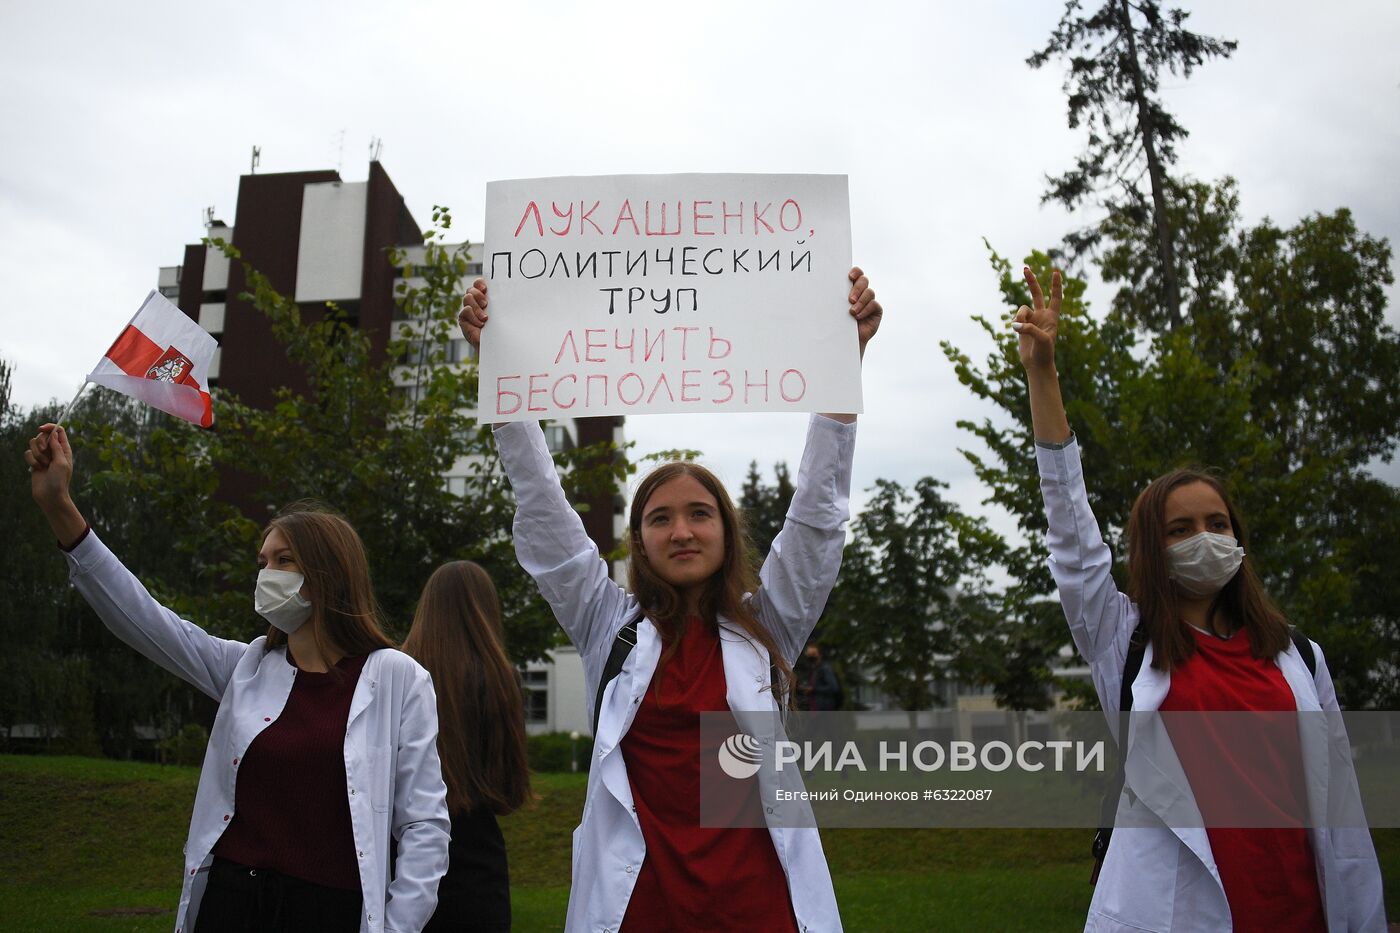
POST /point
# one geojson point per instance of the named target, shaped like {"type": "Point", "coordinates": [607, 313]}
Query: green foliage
{"type": "Point", "coordinates": [1280, 380]}
{"type": "Point", "coordinates": [373, 436]}
{"type": "Point", "coordinates": [556, 752]}
{"type": "Point", "coordinates": [142, 487]}
{"type": "Point", "coordinates": [912, 578]}
{"type": "Point", "coordinates": [1116, 60]}
{"type": "Point", "coordinates": [185, 747]}
{"type": "Point", "coordinates": [765, 507]}
{"type": "Point", "coordinates": [1111, 90]}
{"type": "Point", "coordinates": [183, 507]}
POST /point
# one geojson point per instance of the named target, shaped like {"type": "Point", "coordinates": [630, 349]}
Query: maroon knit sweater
{"type": "Point", "coordinates": [291, 811]}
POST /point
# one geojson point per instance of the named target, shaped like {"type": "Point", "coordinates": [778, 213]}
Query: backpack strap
{"type": "Point", "coordinates": [1305, 648]}
{"type": "Point", "coordinates": [1108, 807]}
{"type": "Point", "coordinates": [622, 646]}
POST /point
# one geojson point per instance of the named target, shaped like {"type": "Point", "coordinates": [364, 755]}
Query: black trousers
{"type": "Point", "coordinates": [239, 899]}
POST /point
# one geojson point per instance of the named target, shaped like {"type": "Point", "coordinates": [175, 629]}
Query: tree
{"type": "Point", "coordinates": [765, 507]}
{"type": "Point", "coordinates": [1116, 61]}
{"type": "Point", "coordinates": [911, 577]}
{"type": "Point", "coordinates": [1279, 381]}
{"type": "Point", "coordinates": [141, 483]}
{"type": "Point", "coordinates": [374, 438]}
{"type": "Point", "coordinates": [371, 437]}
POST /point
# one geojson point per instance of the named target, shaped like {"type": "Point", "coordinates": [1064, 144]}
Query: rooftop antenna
{"type": "Point", "coordinates": [257, 158]}
{"type": "Point", "coordinates": [209, 216]}
{"type": "Point", "coordinates": [376, 146]}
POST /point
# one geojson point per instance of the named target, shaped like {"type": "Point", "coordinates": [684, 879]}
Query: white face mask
{"type": "Point", "coordinates": [1202, 564]}
{"type": "Point", "coordinates": [278, 599]}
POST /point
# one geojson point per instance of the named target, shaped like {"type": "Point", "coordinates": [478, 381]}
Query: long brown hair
{"type": "Point", "coordinates": [456, 635]}
{"type": "Point", "coordinates": [346, 617]}
{"type": "Point", "coordinates": [723, 593]}
{"type": "Point", "coordinates": [1241, 602]}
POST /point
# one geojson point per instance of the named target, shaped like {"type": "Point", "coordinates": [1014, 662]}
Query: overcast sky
{"type": "Point", "coordinates": [122, 122]}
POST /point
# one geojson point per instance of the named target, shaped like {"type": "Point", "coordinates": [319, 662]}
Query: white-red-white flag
{"type": "Point", "coordinates": [163, 359]}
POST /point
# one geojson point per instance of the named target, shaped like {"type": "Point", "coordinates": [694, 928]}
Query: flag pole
{"type": "Point", "coordinates": [69, 407]}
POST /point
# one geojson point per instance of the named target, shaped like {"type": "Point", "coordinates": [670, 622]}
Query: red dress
{"type": "Point", "coordinates": [1269, 874]}
{"type": "Point", "coordinates": [694, 878]}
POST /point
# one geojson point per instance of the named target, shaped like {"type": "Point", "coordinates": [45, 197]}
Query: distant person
{"type": "Point", "coordinates": [323, 748]}
{"type": "Point", "coordinates": [1209, 638]}
{"type": "Point", "coordinates": [699, 633]}
{"type": "Point", "coordinates": [818, 690]}
{"type": "Point", "coordinates": [456, 635]}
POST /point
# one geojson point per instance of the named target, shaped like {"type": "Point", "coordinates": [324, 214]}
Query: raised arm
{"type": "Point", "coordinates": [550, 541]}
{"type": "Point", "coordinates": [118, 598]}
{"type": "Point", "coordinates": [802, 564]}
{"type": "Point", "coordinates": [805, 557]}
{"type": "Point", "coordinates": [552, 545]}
{"type": "Point", "coordinates": [1101, 619]}
{"type": "Point", "coordinates": [1037, 327]}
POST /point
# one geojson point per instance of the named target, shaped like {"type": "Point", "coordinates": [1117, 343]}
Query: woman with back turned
{"type": "Point", "coordinates": [456, 635]}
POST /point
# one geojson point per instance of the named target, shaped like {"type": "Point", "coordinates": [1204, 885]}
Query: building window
{"type": "Point", "coordinates": [536, 684]}
{"type": "Point", "coordinates": [557, 438]}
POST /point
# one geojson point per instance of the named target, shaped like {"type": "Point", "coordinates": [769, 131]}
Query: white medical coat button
{"type": "Point", "coordinates": [225, 817]}
{"type": "Point", "coordinates": [629, 869]}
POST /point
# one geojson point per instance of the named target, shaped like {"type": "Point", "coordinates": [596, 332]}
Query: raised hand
{"type": "Point", "coordinates": [1038, 326]}
{"type": "Point", "coordinates": [472, 317]}
{"type": "Point", "coordinates": [864, 308]}
{"type": "Point", "coordinates": [50, 460]}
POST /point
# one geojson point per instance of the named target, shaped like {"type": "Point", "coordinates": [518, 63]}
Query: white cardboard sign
{"type": "Point", "coordinates": [632, 294]}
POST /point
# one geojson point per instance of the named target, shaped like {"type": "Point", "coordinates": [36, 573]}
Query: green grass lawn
{"type": "Point", "coordinates": [94, 845]}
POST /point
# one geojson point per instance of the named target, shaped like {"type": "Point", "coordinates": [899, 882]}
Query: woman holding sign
{"type": "Point", "coordinates": [697, 632]}
{"type": "Point", "coordinates": [324, 745]}
{"type": "Point", "coordinates": [1196, 632]}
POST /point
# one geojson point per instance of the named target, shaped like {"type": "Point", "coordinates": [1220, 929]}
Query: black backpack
{"type": "Point", "coordinates": [1132, 664]}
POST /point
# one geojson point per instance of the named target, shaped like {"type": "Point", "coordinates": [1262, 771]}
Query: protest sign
{"type": "Point", "coordinates": [625, 294]}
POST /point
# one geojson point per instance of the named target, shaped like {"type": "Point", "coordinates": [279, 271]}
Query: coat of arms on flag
{"type": "Point", "coordinates": [163, 359]}
{"type": "Point", "coordinates": [172, 367]}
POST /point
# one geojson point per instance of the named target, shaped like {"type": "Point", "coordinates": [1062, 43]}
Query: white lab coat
{"type": "Point", "coordinates": [550, 542]}
{"type": "Point", "coordinates": [1157, 877]}
{"type": "Point", "coordinates": [394, 780]}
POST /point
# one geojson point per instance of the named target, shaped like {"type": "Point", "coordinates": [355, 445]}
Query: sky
{"type": "Point", "coordinates": [123, 122]}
